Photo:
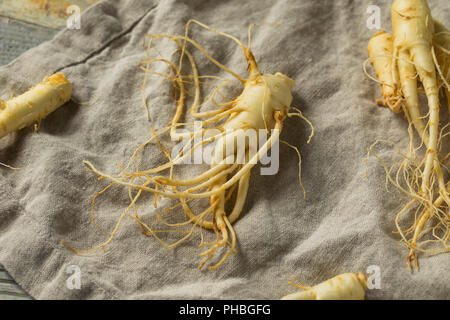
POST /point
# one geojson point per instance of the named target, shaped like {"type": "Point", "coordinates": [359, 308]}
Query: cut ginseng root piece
{"type": "Point", "coordinates": [418, 50]}
{"type": "Point", "coordinates": [346, 286]}
{"type": "Point", "coordinates": [35, 104]}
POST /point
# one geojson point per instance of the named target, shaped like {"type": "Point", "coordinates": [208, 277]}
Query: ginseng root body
{"type": "Point", "coordinates": [35, 104]}
{"type": "Point", "coordinates": [346, 286]}
{"type": "Point", "coordinates": [262, 106]}
{"type": "Point", "coordinates": [417, 50]}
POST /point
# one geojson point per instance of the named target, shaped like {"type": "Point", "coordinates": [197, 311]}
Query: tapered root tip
{"type": "Point", "coordinates": [412, 256]}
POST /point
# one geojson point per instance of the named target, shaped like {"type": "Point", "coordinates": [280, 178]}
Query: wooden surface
{"type": "Point", "coordinates": [9, 289]}
{"type": "Point", "coordinates": [25, 24]}
{"type": "Point", "coordinates": [17, 37]}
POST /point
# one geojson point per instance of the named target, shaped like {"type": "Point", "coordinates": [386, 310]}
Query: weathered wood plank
{"type": "Point", "coordinates": [48, 13]}
{"type": "Point", "coordinates": [5, 276]}
{"type": "Point", "coordinates": [9, 290]}
{"type": "Point", "coordinates": [17, 37]}
{"type": "Point", "coordinates": [9, 296]}
{"type": "Point", "coordinates": [11, 287]}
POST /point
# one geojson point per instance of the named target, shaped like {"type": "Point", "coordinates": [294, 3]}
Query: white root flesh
{"type": "Point", "coordinates": [346, 286]}
{"type": "Point", "coordinates": [35, 104]}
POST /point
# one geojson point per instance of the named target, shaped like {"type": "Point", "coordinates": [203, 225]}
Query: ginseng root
{"type": "Point", "coordinates": [262, 106]}
{"type": "Point", "coordinates": [35, 104]}
{"type": "Point", "coordinates": [417, 50]}
{"type": "Point", "coordinates": [346, 286]}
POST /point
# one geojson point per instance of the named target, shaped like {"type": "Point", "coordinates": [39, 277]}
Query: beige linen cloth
{"type": "Point", "coordinates": [344, 225]}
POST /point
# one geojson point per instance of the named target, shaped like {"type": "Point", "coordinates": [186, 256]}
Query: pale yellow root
{"type": "Point", "coordinates": [35, 104]}
{"type": "Point", "coordinates": [396, 92]}
{"type": "Point", "coordinates": [413, 28]}
{"type": "Point", "coordinates": [419, 52]}
{"type": "Point", "coordinates": [270, 94]}
{"type": "Point", "coordinates": [346, 286]}
{"type": "Point", "coordinates": [380, 50]}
